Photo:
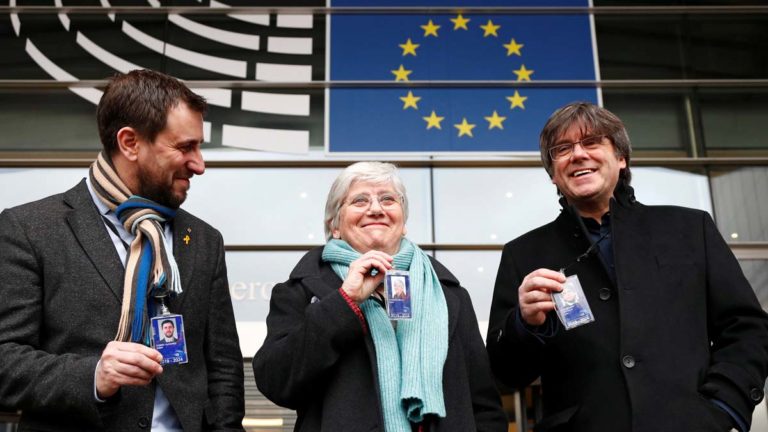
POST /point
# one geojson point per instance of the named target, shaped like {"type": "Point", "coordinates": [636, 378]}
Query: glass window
{"type": "Point", "coordinates": [666, 186]}
{"type": "Point", "coordinates": [734, 119]}
{"type": "Point", "coordinates": [496, 205]}
{"type": "Point", "coordinates": [47, 120]}
{"type": "Point", "coordinates": [251, 276]}
{"type": "Point", "coordinates": [72, 47]}
{"type": "Point", "coordinates": [756, 272]}
{"type": "Point", "coordinates": [37, 183]}
{"type": "Point", "coordinates": [681, 45]}
{"type": "Point", "coordinates": [655, 120]}
{"type": "Point", "coordinates": [738, 196]}
{"type": "Point", "coordinates": [491, 205]}
{"type": "Point", "coordinates": [287, 205]}
{"type": "Point", "coordinates": [726, 46]}
{"type": "Point", "coordinates": [260, 206]}
{"type": "Point", "coordinates": [639, 47]}
{"type": "Point", "coordinates": [476, 270]}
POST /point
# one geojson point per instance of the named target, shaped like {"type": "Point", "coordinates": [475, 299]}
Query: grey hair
{"type": "Point", "coordinates": [593, 120]}
{"type": "Point", "coordinates": [371, 172]}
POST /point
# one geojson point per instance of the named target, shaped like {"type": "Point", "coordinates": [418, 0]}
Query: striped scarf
{"type": "Point", "coordinates": [410, 359]}
{"type": "Point", "coordinates": [148, 256]}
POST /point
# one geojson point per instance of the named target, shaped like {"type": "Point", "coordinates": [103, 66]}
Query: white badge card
{"type": "Point", "coordinates": [571, 304]}
{"type": "Point", "coordinates": [397, 284]}
{"type": "Point", "coordinates": [168, 338]}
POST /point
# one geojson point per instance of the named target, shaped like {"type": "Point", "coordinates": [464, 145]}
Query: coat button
{"type": "Point", "coordinates": [605, 294]}
{"type": "Point", "coordinates": [756, 394]}
{"type": "Point", "coordinates": [143, 422]}
{"type": "Point", "coordinates": [628, 362]}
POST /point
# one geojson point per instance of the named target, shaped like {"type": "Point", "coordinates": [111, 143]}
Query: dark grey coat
{"type": "Point", "coordinates": [61, 288]}
{"type": "Point", "coordinates": [317, 360]}
{"type": "Point", "coordinates": [681, 326]}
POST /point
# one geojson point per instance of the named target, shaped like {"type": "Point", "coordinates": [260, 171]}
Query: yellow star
{"type": "Point", "coordinates": [433, 121]}
{"type": "Point", "coordinates": [490, 29]}
{"type": "Point", "coordinates": [401, 74]}
{"type": "Point", "coordinates": [495, 121]}
{"type": "Point", "coordinates": [465, 128]}
{"type": "Point", "coordinates": [410, 47]}
{"type": "Point", "coordinates": [430, 29]}
{"type": "Point", "coordinates": [460, 22]}
{"type": "Point", "coordinates": [512, 48]}
{"type": "Point", "coordinates": [523, 74]}
{"type": "Point", "coordinates": [410, 101]}
{"type": "Point", "coordinates": [517, 100]}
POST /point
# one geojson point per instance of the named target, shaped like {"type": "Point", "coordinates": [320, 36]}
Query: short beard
{"type": "Point", "coordinates": [150, 190]}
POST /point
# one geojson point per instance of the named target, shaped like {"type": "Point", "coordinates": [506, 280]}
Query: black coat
{"type": "Point", "coordinates": [680, 326]}
{"type": "Point", "coordinates": [317, 360]}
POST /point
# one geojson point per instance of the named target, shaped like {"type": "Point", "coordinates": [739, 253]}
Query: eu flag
{"type": "Point", "coordinates": [453, 47]}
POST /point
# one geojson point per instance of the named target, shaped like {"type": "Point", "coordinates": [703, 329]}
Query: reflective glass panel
{"type": "Point", "coordinates": [739, 195]}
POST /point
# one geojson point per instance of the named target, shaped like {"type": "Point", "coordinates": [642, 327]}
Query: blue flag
{"type": "Point", "coordinates": [453, 47]}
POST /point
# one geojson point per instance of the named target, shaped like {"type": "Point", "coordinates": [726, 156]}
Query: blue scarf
{"type": "Point", "coordinates": [410, 359]}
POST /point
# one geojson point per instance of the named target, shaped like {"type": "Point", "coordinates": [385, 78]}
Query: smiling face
{"type": "Point", "coordinates": [587, 178]}
{"type": "Point", "coordinates": [374, 226]}
{"type": "Point", "coordinates": [166, 165]}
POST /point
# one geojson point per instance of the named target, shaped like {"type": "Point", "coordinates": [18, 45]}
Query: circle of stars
{"type": "Point", "coordinates": [461, 23]}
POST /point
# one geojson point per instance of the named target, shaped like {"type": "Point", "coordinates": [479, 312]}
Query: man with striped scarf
{"type": "Point", "coordinates": [82, 273]}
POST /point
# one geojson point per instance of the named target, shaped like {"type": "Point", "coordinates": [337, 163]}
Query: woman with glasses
{"type": "Point", "coordinates": [334, 352]}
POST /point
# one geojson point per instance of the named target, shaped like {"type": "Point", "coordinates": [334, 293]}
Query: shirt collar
{"type": "Point", "coordinates": [103, 209]}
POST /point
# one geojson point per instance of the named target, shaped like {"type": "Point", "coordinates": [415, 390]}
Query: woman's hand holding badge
{"type": "Point", "coordinates": [360, 284]}
{"type": "Point", "coordinates": [534, 295]}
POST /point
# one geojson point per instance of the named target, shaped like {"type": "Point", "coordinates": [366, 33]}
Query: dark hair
{"type": "Point", "coordinates": [168, 321]}
{"type": "Point", "coordinates": [593, 120]}
{"type": "Point", "coordinates": [141, 99]}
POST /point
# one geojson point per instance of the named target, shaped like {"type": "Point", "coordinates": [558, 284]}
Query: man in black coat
{"type": "Point", "coordinates": [678, 342]}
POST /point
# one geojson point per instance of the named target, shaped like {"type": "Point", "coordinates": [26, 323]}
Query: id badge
{"type": "Point", "coordinates": [397, 284]}
{"type": "Point", "coordinates": [571, 304]}
{"type": "Point", "coordinates": [168, 338]}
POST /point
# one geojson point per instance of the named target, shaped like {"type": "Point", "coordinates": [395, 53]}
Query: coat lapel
{"type": "Point", "coordinates": [454, 307]}
{"type": "Point", "coordinates": [633, 246]}
{"type": "Point", "coordinates": [88, 228]}
{"type": "Point", "coordinates": [184, 251]}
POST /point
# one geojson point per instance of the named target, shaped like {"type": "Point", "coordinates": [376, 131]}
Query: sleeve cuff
{"type": "Point", "coordinates": [540, 333]}
{"type": "Point", "coordinates": [737, 420]}
{"type": "Point", "coordinates": [356, 309]}
{"type": "Point", "coordinates": [96, 393]}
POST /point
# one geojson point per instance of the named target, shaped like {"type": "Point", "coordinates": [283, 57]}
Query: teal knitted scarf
{"type": "Point", "coordinates": [410, 359]}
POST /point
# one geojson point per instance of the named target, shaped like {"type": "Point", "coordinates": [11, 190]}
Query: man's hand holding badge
{"type": "Point", "coordinates": [534, 295]}
{"type": "Point", "coordinates": [125, 363]}
{"type": "Point", "coordinates": [571, 304]}
{"type": "Point", "coordinates": [544, 290]}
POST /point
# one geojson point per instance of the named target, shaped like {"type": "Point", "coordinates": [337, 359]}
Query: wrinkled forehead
{"type": "Point", "coordinates": [370, 187]}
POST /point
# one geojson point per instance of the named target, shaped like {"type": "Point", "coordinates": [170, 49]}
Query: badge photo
{"type": "Point", "coordinates": [571, 304]}
{"type": "Point", "coordinates": [397, 284]}
{"type": "Point", "coordinates": [168, 338]}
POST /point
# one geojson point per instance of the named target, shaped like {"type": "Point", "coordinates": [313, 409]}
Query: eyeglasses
{"type": "Point", "coordinates": [363, 202]}
{"type": "Point", "coordinates": [563, 151]}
